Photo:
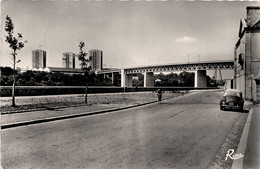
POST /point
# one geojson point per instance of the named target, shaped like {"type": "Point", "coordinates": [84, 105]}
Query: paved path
{"type": "Point", "coordinates": [34, 115]}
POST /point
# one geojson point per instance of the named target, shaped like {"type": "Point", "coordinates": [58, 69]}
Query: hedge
{"type": "Point", "coordinates": [56, 90]}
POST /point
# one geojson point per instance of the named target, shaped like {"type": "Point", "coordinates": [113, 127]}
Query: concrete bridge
{"type": "Point", "coordinates": [199, 68]}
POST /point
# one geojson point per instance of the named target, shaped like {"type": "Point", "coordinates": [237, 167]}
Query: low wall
{"type": "Point", "coordinates": [56, 90]}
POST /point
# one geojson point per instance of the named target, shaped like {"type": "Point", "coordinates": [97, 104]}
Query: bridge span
{"type": "Point", "coordinates": [199, 68]}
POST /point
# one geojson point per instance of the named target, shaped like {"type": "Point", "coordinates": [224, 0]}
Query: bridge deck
{"type": "Point", "coordinates": [192, 66]}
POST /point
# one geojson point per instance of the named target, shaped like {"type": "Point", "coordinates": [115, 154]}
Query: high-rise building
{"type": "Point", "coordinates": [96, 62]}
{"type": "Point", "coordinates": [68, 60]}
{"type": "Point", "coordinates": [38, 58]}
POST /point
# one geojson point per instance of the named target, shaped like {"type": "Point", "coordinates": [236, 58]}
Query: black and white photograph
{"type": "Point", "coordinates": [130, 84]}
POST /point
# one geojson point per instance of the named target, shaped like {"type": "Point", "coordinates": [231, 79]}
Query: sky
{"type": "Point", "coordinates": [130, 33]}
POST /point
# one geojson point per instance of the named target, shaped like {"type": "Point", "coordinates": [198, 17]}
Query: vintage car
{"type": "Point", "coordinates": [232, 99]}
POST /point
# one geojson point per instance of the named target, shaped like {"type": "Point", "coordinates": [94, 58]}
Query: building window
{"type": "Point", "coordinates": [241, 60]}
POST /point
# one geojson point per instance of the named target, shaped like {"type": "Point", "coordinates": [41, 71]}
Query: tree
{"type": "Point", "coordinates": [82, 57]}
{"type": "Point", "coordinates": [16, 44]}
{"type": "Point", "coordinates": [187, 78]}
{"type": "Point", "coordinates": [7, 71]}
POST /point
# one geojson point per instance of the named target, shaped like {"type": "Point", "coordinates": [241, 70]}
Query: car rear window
{"type": "Point", "coordinates": [230, 93]}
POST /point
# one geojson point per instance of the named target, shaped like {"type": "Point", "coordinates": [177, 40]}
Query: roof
{"type": "Point", "coordinates": [108, 70]}
{"type": "Point", "coordinates": [242, 27]}
{"type": "Point", "coordinates": [59, 69]}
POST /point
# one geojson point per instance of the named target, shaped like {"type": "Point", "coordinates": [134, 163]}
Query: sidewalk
{"type": "Point", "coordinates": [249, 144]}
{"type": "Point", "coordinates": [43, 114]}
{"type": "Point", "coordinates": [252, 151]}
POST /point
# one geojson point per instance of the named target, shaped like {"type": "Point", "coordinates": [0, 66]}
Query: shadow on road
{"type": "Point", "coordinates": [238, 111]}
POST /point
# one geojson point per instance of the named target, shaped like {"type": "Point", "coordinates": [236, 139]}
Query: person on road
{"type": "Point", "coordinates": [159, 94]}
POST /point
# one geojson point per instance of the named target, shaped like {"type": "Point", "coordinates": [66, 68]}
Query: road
{"type": "Point", "coordinates": [183, 132]}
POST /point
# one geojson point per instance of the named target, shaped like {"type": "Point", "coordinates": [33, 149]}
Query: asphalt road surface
{"type": "Point", "coordinates": [183, 132]}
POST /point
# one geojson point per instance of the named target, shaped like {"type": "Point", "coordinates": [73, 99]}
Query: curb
{"type": "Point", "coordinates": [24, 123]}
{"type": "Point", "coordinates": [238, 163]}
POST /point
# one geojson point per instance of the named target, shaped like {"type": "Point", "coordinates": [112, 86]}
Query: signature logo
{"type": "Point", "coordinates": [232, 155]}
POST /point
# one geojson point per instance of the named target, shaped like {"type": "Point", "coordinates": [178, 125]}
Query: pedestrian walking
{"type": "Point", "coordinates": [159, 94]}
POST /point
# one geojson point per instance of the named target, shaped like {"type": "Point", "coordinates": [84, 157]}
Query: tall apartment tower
{"type": "Point", "coordinates": [68, 60]}
{"type": "Point", "coordinates": [38, 58]}
{"type": "Point", "coordinates": [96, 62]}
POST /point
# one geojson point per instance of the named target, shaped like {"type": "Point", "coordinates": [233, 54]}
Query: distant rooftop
{"type": "Point", "coordinates": [60, 69]}
{"type": "Point", "coordinates": [109, 70]}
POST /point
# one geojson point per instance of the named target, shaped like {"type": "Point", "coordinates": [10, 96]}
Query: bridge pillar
{"type": "Point", "coordinates": [148, 79]}
{"type": "Point", "coordinates": [113, 78]}
{"type": "Point", "coordinates": [126, 79]}
{"type": "Point", "coordinates": [122, 77]}
{"type": "Point", "coordinates": [200, 78]}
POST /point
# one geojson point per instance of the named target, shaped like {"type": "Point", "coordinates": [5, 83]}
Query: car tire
{"type": "Point", "coordinates": [222, 108]}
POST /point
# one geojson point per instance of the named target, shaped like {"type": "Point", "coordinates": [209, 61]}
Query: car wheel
{"type": "Point", "coordinates": [222, 108]}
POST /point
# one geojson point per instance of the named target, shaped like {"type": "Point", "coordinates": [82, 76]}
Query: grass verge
{"type": "Point", "coordinates": [61, 101]}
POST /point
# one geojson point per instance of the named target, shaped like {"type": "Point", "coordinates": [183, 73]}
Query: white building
{"type": "Point", "coordinates": [68, 60]}
{"type": "Point", "coordinates": [96, 62]}
{"type": "Point", "coordinates": [38, 58]}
